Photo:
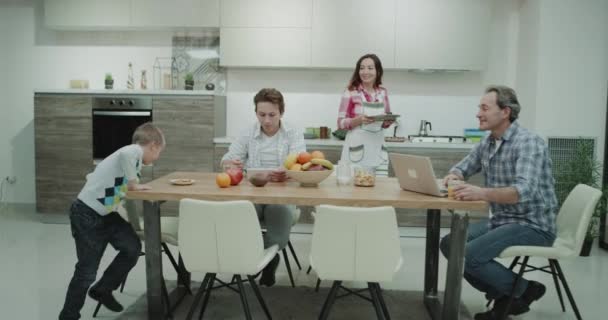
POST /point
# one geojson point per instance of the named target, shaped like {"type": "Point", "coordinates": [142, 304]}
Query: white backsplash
{"type": "Point", "coordinates": [312, 98]}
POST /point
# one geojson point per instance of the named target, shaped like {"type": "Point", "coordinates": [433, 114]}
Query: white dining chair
{"type": "Point", "coordinates": [572, 223]}
{"type": "Point", "coordinates": [356, 244]}
{"type": "Point", "coordinates": [223, 237]}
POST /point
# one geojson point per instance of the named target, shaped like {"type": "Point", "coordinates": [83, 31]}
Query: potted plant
{"type": "Point", "coordinates": [582, 167]}
{"type": "Point", "coordinates": [109, 81]}
{"type": "Point", "coordinates": [189, 81]}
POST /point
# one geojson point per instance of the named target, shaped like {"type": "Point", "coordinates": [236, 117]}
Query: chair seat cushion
{"type": "Point", "coordinates": [168, 229]}
{"type": "Point", "coordinates": [555, 252]}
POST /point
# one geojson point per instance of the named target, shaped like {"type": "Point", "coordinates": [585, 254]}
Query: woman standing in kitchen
{"type": "Point", "coordinates": [266, 144]}
{"type": "Point", "coordinates": [363, 99]}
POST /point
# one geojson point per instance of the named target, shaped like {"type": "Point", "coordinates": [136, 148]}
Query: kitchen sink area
{"type": "Point", "coordinates": [437, 139]}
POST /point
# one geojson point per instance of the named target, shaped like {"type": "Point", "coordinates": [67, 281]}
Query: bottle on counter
{"type": "Point", "coordinates": [144, 80]}
{"type": "Point", "coordinates": [130, 81]}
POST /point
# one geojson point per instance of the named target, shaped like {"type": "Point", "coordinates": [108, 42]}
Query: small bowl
{"type": "Point", "coordinates": [309, 178]}
{"type": "Point", "coordinates": [258, 179]}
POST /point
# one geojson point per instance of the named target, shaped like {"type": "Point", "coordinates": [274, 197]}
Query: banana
{"type": "Point", "coordinates": [306, 166]}
{"type": "Point", "coordinates": [326, 163]}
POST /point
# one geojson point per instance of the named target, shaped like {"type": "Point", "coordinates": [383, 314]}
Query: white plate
{"type": "Point", "coordinates": [182, 182]}
{"type": "Point", "coordinates": [254, 171]}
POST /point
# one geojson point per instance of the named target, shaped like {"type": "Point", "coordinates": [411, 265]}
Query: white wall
{"type": "Point", "coordinates": [34, 58]}
{"type": "Point", "coordinates": [573, 69]}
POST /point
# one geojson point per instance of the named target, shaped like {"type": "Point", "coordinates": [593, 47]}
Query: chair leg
{"type": "Point", "coordinates": [96, 309]}
{"type": "Point", "coordinates": [387, 316]}
{"type": "Point", "coordinates": [288, 266]}
{"type": "Point", "coordinates": [567, 289]}
{"type": "Point", "coordinates": [198, 296]}
{"type": "Point", "coordinates": [318, 285]}
{"type": "Point", "coordinates": [375, 300]}
{"type": "Point", "coordinates": [207, 295]}
{"type": "Point", "coordinates": [331, 297]}
{"type": "Point", "coordinates": [175, 265]}
{"type": "Point", "coordinates": [258, 294]}
{"type": "Point", "coordinates": [557, 286]}
{"type": "Point", "coordinates": [243, 297]}
{"type": "Point", "coordinates": [309, 269]}
{"type": "Point", "coordinates": [293, 253]}
{"type": "Point", "coordinates": [512, 295]}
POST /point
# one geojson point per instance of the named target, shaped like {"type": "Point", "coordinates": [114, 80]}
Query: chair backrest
{"type": "Point", "coordinates": [132, 214]}
{"type": "Point", "coordinates": [574, 216]}
{"type": "Point", "coordinates": [359, 244]}
{"type": "Point", "coordinates": [220, 237]}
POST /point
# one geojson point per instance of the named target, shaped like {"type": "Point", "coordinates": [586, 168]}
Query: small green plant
{"type": "Point", "coordinates": [189, 77]}
{"type": "Point", "coordinates": [109, 77]}
{"type": "Point", "coordinates": [582, 167]}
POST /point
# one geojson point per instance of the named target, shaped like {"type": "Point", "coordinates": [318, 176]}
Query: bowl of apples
{"type": "Point", "coordinates": [309, 169]}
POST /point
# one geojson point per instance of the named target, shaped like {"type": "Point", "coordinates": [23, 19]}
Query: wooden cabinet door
{"type": "Point", "coordinates": [188, 127]}
{"type": "Point", "coordinates": [63, 150]}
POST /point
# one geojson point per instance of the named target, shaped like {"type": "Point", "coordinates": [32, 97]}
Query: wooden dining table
{"type": "Point", "coordinates": [386, 192]}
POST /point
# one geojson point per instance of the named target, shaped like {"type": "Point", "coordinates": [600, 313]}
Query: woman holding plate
{"type": "Point", "coordinates": [365, 113]}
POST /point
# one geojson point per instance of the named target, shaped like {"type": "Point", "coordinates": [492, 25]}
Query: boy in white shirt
{"type": "Point", "coordinates": [96, 223]}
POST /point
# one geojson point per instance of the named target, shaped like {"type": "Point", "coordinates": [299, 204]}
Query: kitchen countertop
{"type": "Point", "coordinates": [335, 142]}
{"type": "Point", "coordinates": [121, 92]}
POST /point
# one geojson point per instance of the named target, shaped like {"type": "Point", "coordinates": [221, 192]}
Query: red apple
{"type": "Point", "coordinates": [316, 167]}
{"type": "Point", "coordinates": [236, 175]}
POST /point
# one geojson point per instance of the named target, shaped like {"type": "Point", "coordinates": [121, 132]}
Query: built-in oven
{"type": "Point", "coordinates": [114, 121]}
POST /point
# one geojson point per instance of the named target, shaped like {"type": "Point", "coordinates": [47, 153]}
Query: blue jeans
{"type": "Point", "coordinates": [484, 244]}
{"type": "Point", "coordinates": [92, 233]}
{"type": "Point", "coordinates": [277, 219]}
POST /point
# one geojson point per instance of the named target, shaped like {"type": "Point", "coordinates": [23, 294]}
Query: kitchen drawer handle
{"type": "Point", "coordinates": [123, 113]}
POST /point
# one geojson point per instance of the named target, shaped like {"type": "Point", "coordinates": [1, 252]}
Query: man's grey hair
{"type": "Point", "coordinates": [506, 98]}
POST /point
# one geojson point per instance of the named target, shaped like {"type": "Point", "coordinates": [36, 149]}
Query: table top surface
{"type": "Point", "coordinates": [386, 192]}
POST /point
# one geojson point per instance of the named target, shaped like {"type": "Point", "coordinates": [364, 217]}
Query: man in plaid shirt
{"type": "Point", "coordinates": [520, 189]}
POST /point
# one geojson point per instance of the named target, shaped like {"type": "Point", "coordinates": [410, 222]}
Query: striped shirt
{"type": "Point", "coordinates": [521, 161]}
{"type": "Point", "coordinates": [350, 105]}
{"type": "Point", "coordinates": [248, 146]}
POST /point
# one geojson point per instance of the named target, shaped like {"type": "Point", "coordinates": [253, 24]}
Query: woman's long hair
{"type": "Point", "coordinates": [355, 80]}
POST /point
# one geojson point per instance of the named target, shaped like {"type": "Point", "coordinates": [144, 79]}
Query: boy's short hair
{"type": "Point", "coordinates": [148, 133]}
{"type": "Point", "coordinates": [271, 95]}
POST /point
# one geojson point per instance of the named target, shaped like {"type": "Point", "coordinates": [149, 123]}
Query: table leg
{"type": "Point", "coordinates": [431, 264]}
{"type": "Point", "coordinates": [455, 269]}
{"type": "Point", "coordinates": [154, 266]}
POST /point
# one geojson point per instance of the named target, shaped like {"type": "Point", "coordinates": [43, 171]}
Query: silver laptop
{"type": "Point", "coordinates": [415, 173]}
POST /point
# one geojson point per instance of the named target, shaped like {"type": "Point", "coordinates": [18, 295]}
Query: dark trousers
{"type": "Point", "coordinates": [92, 233]}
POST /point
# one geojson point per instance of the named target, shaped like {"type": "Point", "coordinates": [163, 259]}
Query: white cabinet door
{"type": "Point", "coordinates": [266, 13]}
{"type": "Point", "coordinates": [87, 13]}
{"type": "Point", "coordinates": [440, 34]}
{"type": "Point", "coordinates": [176, 13]}
{"type": "Point", "coordinates": [265, 47]}
{"type": "Point", "coordinates": [344, 30]}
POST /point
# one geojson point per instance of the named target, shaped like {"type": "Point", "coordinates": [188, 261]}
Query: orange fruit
{"type": "Point", "coordinates": [304, 157]}
{"type": "Point", "coordinates": [296, 167]}
{"type": "Point", "coordinates": [317, 155]}
{"type": "Point", "coordinates": [222, 180]}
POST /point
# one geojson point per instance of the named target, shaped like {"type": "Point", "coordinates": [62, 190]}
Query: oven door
{"type": "Point", "coordinates": [113, 129]}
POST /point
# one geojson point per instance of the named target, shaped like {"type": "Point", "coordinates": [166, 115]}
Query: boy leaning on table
{"type": "Point", "coordinates": [95, 222]}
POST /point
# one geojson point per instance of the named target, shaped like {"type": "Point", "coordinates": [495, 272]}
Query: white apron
{"type": "Point", "coordinates": [364, 145]}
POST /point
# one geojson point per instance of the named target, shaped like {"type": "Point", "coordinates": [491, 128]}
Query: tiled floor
{"type": "Point", "coordinates": [37, 260]}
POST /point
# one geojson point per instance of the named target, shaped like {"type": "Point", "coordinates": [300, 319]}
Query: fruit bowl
{"type": "Point", "coordinates": [309, 178]}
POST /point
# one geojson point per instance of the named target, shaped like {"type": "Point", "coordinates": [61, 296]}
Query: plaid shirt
{"type": "Point", "coordinates": [246, 146]}
{"type": "Point", "coordinates": [522, 161]}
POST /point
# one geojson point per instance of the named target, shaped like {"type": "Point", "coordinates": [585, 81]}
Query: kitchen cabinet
{"type": "Point", "coordinates": [344, 30]}
{"type": "Point", "coordinates": [176, 13]}
{"type": "Point", "coordinates": [267, 47]}
{"type": "Point", "coordinates": [87, 13]}
{"type": "Point", "coordinates": [126, 14]}
{"type": "Point", "coordinates": [439, 34]}
{"type": "Point", "coordinates": [266, 13]}
{"type": "Point", "coordinates": [63, 150]}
